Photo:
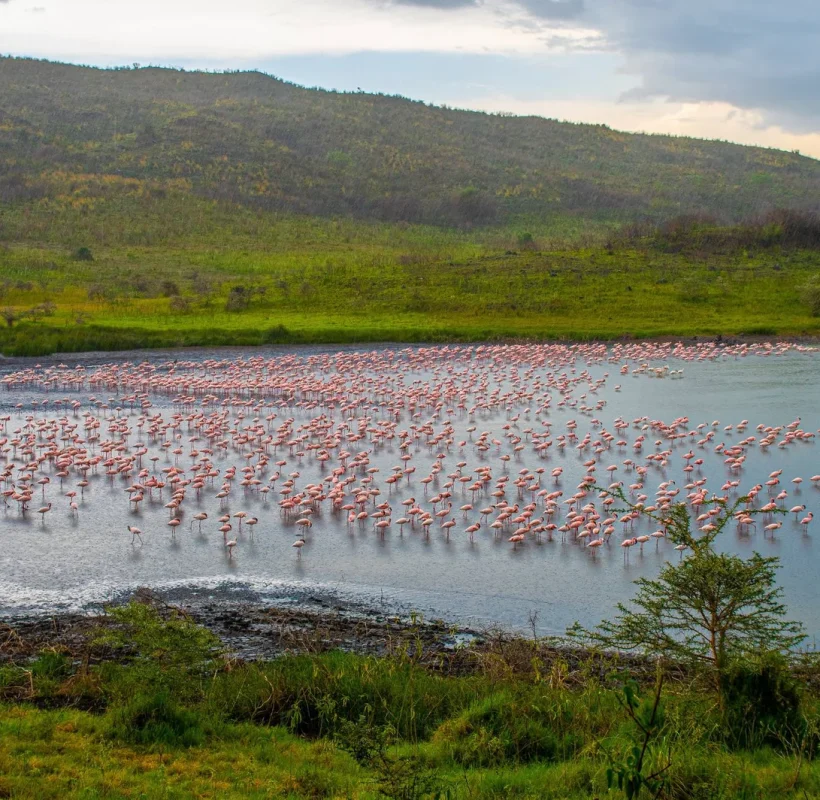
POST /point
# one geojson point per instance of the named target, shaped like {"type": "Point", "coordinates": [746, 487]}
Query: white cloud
{"type": "Point", "coordinates": [245, 30]}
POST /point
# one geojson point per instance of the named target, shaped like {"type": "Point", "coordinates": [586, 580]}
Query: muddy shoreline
{"type": "Point", "coordinates": [106, 356]}
{"type": "Point", "coordinates": [254, 631]}
{"type": "Point", "coordinates": [251, 630]}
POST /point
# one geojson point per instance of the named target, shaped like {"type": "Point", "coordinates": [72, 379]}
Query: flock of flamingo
{"type": "Point", "coordinates": [471, 431]}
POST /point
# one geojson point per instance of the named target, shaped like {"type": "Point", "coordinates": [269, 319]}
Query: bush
{"type": "Point", "coordinates": [83, 254]}
{"type": "Point", "coordinates": [180, 305]}
{"type": "Point", "coordinates": [163, 652]}
{"type": "Point", "coordinates": [10, 316]}
{"type": "Point", "coordinates": [811, 296]}
{"type": "Point", "coordinates": [51, 664]}
{"type": "Point", "coordinates": [169, 289]}
{"type": "Point", "coordinates": [526, 241]}
{"type": "Point", "coordinates": [500, 728]}
{"type": "Point", "coordinates": [363, 740]}
{"type": "Point", "coordinates": [154, 719]}
{"type": "Point", "coordinates": [46, 309]}
{"type": "Point", "coordinates": [239, 298]}
{"type": "Point", "coordinates": [762, 703]}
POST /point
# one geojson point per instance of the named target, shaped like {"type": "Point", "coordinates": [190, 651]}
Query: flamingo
{"type": "Point", "coordinates": [136, 533]}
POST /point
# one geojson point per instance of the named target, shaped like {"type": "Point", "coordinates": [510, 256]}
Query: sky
{"type": "Point", "coordinates": [742, 70]}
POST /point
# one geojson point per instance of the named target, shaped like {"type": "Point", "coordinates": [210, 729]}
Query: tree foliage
{"type": "Point", "coordinates": [707, 610]}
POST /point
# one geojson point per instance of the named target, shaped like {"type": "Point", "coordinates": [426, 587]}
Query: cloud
{"type": "Point", "coordinates": [555, 9]}
{"type": "Point", "coordinates": [753, 54]}
{"type": "Point", "coordinates": [543, 9]}
{"type": "Point", "coordinates": [445, 4]}
{"type": "Point", "coordinates": [756, 55]}
{"type": "Point", "coordinates": [702, 120]}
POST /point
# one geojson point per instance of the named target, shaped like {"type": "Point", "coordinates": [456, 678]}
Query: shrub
{"type": "Point", "coordinates": [762, 702]}
{"type": "Point", "coordinates": [811, 296]}
{"type": "Point", "coordinates": [10, 316]}
{"type": "Point", "coordinates": [97, 291]}
{"type": "Point", "coordinates": [239, 298]}
{"type": "Point", "coordinates": [364, 741]}
{"type": "Point", "coordinates": [83, 254]}
{"type": "Point", "coordinates": [500, 728]}
{"type": "Point", "coordinates": [46, 309]}
{"type": "Point", "coordinates": [169, 289]}
{"type": "Point", "coordinates": [51, 664]}
{"type": "Point", "coordinates": [163, 653]}
{"type": "Point", "coordinates": [180, 305]}
{"type": "Point", "coordinates": [154, 719]}
{"type": "Point", "coordinates": [526, 241]}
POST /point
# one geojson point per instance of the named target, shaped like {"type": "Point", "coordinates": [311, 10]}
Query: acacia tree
{"type": "Point", "coordinates": [706, 610]}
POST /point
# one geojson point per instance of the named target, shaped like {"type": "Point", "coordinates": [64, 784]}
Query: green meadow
{"type": "Point", "coordinates": [74, 281]}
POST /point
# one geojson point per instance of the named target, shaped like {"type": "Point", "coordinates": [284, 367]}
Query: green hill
{"type": "Point", "coordinates": [156, 207]}
{"type": "Point", "coordinates": [257, 141]}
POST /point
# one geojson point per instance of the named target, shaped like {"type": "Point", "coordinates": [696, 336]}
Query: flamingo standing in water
{"type": "Point", "coordinates": [136, 533]}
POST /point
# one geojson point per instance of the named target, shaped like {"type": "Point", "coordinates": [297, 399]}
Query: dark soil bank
{"type": "Point", "coordinates": [252, 631]}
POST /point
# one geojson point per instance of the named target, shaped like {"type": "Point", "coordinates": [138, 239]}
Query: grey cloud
{"type": "Point", "coordinates": [555, 9]}
{"type": "Point", "coordinates": [755, 54]}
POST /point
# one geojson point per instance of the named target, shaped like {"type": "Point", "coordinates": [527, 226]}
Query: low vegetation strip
{"type": "Point", "coordinates": [377, 283]}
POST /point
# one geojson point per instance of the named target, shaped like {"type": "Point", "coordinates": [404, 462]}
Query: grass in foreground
{"type": "Point", "coordinates": [166, 716]}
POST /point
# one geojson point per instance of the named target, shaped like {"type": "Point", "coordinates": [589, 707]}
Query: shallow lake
{"type": "Point", "coordinates": [255, 408]}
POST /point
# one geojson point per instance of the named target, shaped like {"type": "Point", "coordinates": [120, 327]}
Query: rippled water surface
{"type": "Point", "coordinates": [66, 559]}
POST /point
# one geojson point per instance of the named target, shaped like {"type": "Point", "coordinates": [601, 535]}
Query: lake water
{"type": "Point", "coordinates": [367, 401]}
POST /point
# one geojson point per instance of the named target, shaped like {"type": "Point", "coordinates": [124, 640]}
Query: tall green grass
{"type": "Point", "coordinates": [172, 717]}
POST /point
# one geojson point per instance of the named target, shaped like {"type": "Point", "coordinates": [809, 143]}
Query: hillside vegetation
{"type": "Point", "coordinates": [251, 139]}
{"type": "Point", "coordinates": [156, 207]}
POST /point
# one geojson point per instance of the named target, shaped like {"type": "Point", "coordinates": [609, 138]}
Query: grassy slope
{"type": "Point", "coordinates": [252, 139]}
